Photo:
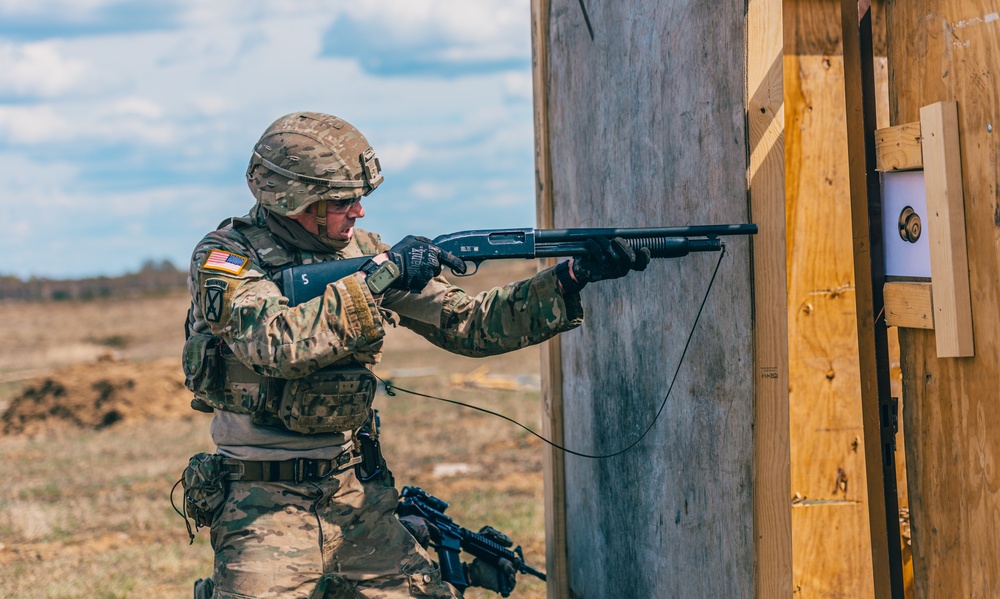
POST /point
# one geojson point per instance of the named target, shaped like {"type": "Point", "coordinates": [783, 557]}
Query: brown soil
{"type": "Point", "coordinates": [98, 395]}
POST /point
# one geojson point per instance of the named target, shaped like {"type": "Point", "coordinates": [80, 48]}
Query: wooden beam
{"type": "Point", "coordinates": [898, 148]}
{"type": "Point", "coordinates": [908, 305]}
{"type": "Point", "coordinates": [553, 462]}
{"type": "Point", "coordinates": [772, 514]}
{"type": "Point", "coordinates": [869, 272]}
{"type": "Point", "coordinates": [946, 227]}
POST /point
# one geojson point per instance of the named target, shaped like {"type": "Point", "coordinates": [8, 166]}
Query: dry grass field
{"type": "Point", "coordinates": [96, 430]}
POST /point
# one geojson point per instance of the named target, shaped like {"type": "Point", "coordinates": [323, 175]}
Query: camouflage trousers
{"type": "Point", "coordinates": [331, 539]}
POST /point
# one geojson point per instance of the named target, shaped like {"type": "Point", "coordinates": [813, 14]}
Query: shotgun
{"type": "Point", "coordinates": [305, 282]}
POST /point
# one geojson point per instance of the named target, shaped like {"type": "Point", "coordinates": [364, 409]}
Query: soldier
{"type": "Point", "coordinates": [293, 511]}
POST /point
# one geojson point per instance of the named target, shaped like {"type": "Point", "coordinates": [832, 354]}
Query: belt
{"type": "Point", "coordinates": [299, 470]}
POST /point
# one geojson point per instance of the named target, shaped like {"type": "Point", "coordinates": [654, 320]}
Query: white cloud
{"type": "Point", "coordinates": [33, 125]}
{"type": "Point", "coordinates": [39, 69]}
{"type": "Point", "coordinates": [64, 8]}
{"type": "Point", "coordinates": [138, 107]}
{"type": "Point", "coordinates": [399, 155]}
{"type": "Point", "coordinates": [164, 120]}
{"type": "Point", "coordinates": [486, 28]}
{"type": "Point", "coordinates": [432, 190]}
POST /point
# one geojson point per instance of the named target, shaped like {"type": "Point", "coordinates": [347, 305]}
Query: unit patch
{"type": "Point", "coordinates": [214, 303]}
{"type": "Point", "coordinates": [225, 261]}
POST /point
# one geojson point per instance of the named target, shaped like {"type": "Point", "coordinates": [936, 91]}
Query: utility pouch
{"type": "Point", "coordinates": [328, 401]}
{"type": "Point", "coordinates": [372, 463]}
{"type": "Point", "coordinates": [205, 488]}
{"type": "Point", "coordinates": [202, 360]}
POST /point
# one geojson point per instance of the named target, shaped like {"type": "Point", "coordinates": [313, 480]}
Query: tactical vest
{"type": "Point", "coordinates": [336, 398]}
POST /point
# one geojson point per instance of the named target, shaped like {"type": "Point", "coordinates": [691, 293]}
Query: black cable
{"type": "Point", "coordinates": [390, 389]}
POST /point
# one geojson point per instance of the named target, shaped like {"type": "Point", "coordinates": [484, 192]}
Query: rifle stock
{"type": "Point", "coordinates": [303, 283]}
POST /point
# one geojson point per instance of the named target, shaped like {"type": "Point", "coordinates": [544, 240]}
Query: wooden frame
{"type": "Point", "coordinates": [932, 144]}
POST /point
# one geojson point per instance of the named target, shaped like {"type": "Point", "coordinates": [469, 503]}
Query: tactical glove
{"type": "Point", "coordinates": [482, 574]}
{"type": "Point", "coordinates": [419, 261]}
{"type": "Point", "coordinates": [605, 259]}
{"type": "Point", "coordinates": [421, 529]}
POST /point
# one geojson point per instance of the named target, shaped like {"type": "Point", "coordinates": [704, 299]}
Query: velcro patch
{"type": "Point", "coordinates": [215, 302]}
{"type": "Point", "coordinates": [225, 262]}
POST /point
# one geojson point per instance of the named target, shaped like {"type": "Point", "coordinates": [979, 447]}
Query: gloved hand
{"type": "Point", "coordinates": [421, 529]}
{"type": "Point", "coordinates": [419, 261]}
{"type": "Point", "coordinates": [482, 574]}
{"type": "Point", "coordinates": [605, 259]}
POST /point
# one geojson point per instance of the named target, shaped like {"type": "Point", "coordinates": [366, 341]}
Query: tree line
{"type": "Point", "coordinates": [154, 277]}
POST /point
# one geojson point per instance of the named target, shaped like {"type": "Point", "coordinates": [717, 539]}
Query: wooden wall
{"type": "Point", "coordinates": [943, 50]}
{"type": "Point", "coordinates": [645, 123]}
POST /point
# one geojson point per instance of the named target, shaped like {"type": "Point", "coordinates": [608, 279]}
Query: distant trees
{"type": "Point", "coordinates": [154, 277]}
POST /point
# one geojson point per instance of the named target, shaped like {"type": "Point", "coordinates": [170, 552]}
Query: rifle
{"type": "Point", "coordinates": [303, 283]}
{"type": "Point", "coordinates": [489, 544]}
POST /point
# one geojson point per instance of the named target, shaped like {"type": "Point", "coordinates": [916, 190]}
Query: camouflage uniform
{"type": "Point", "coordinates": [334, 537]}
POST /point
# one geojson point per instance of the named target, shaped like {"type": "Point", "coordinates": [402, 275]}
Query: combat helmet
{"type": "Point", "coordinates": [308, 157]}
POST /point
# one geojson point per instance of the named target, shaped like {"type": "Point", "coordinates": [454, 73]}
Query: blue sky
{"type": "Point", "coordinates": [126, 126]}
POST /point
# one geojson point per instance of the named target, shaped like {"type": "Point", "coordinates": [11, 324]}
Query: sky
{"type": "Point", "coordinates": [126, 126]}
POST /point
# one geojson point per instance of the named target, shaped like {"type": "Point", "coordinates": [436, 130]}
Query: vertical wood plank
{"type": "Point", "coordinates": [831, 544]}
{"type": "Point", "coordinates": [946, 228]}
{"type": "Point", "coordinates": [873, 346]}
{"type": "Point", "coordinates": [772, 519]}
{"type": "Point", "coordinates": [557, 583]}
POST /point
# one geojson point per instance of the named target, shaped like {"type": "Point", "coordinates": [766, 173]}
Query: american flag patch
{"type": "Point", "coordinates": [224, 261]}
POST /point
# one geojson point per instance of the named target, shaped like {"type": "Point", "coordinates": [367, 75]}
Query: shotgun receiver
{"type": "Point", "coordinates": [303, 283]}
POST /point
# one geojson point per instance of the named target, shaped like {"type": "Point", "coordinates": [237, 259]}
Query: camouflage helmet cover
{"type": "Point", "coordinates": [305, 157]}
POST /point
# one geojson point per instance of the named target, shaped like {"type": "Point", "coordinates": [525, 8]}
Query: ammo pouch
{"type": "Point", "coordinates": [202, 362]}
{"type": "Point", "coordinates": [205, 488]}
{"type": "Point", "coordinates": [331, 400]}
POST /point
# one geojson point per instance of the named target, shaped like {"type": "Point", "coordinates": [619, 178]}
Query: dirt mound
{"type": "Point", "coordinates": [99, 395]}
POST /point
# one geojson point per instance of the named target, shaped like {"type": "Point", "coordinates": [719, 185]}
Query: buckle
{"type": "Point", "coordinates": [304, 470]}
{"type": "Point", "coordinates": [234, 469]}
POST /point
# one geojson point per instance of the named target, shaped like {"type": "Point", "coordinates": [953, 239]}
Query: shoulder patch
{"type": "Point", "coordinates": [215, 302]}
{"type": "Point", "coordinates": [224, 261]}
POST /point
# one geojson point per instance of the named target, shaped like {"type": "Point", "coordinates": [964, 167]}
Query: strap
{"type": "Point", "coordinates": [269, 251]}
{"type": "Point", "coordinates": [284, 172]}
{"type": "Point", "coordinates": [298, 470]}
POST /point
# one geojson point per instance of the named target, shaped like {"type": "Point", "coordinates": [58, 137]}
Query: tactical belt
{"type": "Point", "coordinates": [298, 471]}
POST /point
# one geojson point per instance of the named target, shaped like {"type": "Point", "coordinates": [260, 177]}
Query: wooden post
{"type": "Point", "coordinates": [772, 515]}
{"type": "Point", "coordinates": [869, 273]}
{"type": "Point", "coordinates": [557, 583]}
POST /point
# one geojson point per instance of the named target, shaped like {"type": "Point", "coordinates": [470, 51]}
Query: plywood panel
{"type": "Point", "coordinates": [830, 517]}
{"type": "Point", "coordinates": [940, 51]}
{"type": "Point", "coordinates": [648, 126]}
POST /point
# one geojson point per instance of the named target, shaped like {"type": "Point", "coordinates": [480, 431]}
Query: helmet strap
{"type": "Point", "coordinates": [321, 219]}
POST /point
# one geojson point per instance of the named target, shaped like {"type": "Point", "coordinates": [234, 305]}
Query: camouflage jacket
{"type": "Point", "coordinates": [244, 306]}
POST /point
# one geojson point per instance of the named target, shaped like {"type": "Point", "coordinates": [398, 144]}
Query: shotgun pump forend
{"type": "Point", "coordinates": [489, 544]}
{"type": "Point", "coordinates": [303, 283]}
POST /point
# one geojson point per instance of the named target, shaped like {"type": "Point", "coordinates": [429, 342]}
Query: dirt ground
{"type": "Point", "coordinates": [95, 428]}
